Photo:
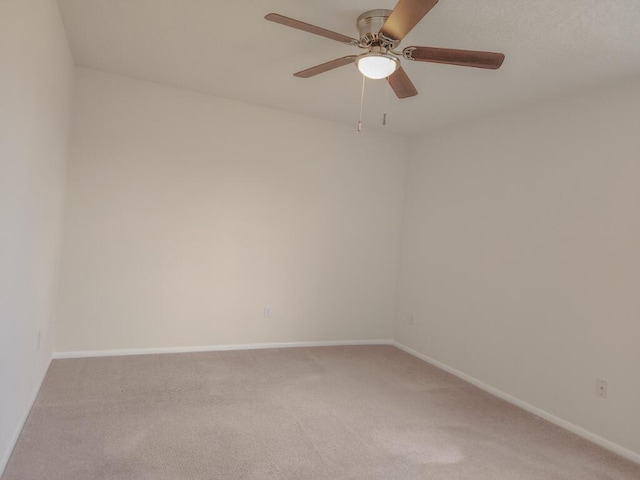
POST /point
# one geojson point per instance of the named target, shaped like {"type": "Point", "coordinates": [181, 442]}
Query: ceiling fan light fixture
{"type": "Point", "coordinates": [377, 65]}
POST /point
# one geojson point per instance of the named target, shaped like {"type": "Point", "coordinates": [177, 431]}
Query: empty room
{"type": "Point", "coordinates": [391, 239]}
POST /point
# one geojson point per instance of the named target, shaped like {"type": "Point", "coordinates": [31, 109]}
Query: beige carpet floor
{"type": "Point", "coordinates": [302, 413]}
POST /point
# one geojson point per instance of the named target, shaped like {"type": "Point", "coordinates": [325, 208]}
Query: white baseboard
{"type": "Point", "coordinates": [4, 460]}
{"type": "Point", "coordinates": [603, 442]}
{"type": "Point", "coordinates": [214, 348]}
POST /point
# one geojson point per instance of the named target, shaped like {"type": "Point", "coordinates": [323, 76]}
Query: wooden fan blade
{"type": "Point", "coordinates": [465, 58]}
{"type": "Point", "coordinates": [325, 67]}
{"type": "Point", "coordinates": [402, 84]}
{"type": "Point", "coordinates": [405, 16]}
{"type": "Point", "coordinates": [307, 27]}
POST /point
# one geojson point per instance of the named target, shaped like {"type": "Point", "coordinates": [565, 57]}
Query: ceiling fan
{"type": "Point", "coordinates": [381, 31]}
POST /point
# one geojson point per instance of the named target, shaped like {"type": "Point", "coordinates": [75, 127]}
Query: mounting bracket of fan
{"type": "Point", "coordinates": [408, 53]}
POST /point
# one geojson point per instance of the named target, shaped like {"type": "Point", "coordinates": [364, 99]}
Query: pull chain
{"type": "Point", "coordinates": [386, 103]}
{"type": "Point", "coordinates": [361, 104]}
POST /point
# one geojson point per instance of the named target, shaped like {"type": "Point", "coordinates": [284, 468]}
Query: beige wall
{"type": "Point", "coordinates": [521, 257]}
{"type": "Point", "coordinates": [188, 213]}
{"type": "Point", "coordinates": [36, 75]}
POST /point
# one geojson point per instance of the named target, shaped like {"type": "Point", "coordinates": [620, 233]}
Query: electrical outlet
{"type": "Point", "coordinates": [601, 388]}
{"type": "Point", "coordinates": [267, 311]}
{"type": "Point", "coordinates": [38, 341]}
{"type": "Point", "coordinates": [412, 320]}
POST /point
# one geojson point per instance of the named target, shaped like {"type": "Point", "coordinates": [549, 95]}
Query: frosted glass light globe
{"type": "Point", "coordinates": [377, 65]}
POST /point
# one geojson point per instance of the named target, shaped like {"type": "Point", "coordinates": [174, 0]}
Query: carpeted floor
{"type": "Point", "coordinates": [301, 413]}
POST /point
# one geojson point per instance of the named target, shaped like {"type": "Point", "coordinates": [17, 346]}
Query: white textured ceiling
{"type": "Point", "coordinates": [552, 48]}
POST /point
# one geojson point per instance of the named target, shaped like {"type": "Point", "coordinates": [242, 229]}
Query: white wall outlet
{"type": "Point", "coordinates": [267, 311]}
{"type": "Point", "coordinates": [601, 388]}
{"type": "Point", "coordinates": [38, 340]}
{"type": "Point", "coordinates": [411, 319]}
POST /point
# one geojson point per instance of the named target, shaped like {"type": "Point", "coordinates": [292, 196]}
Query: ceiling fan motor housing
{"type": "Point", "coordinates": [369, 25]}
